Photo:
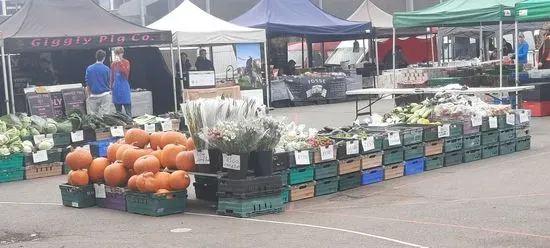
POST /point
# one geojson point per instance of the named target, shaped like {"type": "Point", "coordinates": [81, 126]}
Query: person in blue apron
{"type": "Point", "coordinates": [120, 73]}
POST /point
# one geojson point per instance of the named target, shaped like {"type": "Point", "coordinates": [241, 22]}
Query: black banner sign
{"type": "Point", "coordinates": [305, 88]}
{"type": "Point", "coordinates": [40, 104]}
{"type": "Point", "coordinates": [74, 99]}
{"type": "Point", "coordinates": [57, 104]}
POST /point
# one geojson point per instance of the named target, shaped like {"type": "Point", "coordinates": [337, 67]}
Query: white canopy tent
{"type": "Point", "coordinates": [191, 26]}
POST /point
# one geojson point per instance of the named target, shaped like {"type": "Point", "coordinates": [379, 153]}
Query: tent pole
{"type": "Point", "coordinates": [481, 41]}
{"type": "Point", "coordinates": [393, 54]}
{"type": "Point", "coordinates": [303, 57]}
{"type": "Point", "coordinates": [432, 46]}
{"type": "Point", "coordinates": [6, 95]}
{"type": "Point", "coordinates": [500, 49]}
{"type": "Point", "coordinates": [376, 51]}
{"type": "Point", "coordinates": [517, 61]}
{"type": "Point", "coordinates": [180, 64]}
{"type": "Point", "coordinates": [10, 81]}
{"type": "Point", "coordinates": [174, 77]}
{"type": "Point", "coordinates": [267, 76]}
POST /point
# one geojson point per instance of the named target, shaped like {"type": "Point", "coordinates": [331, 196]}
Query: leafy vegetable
{"type": "Point", "coordinates": [45, 145]}
{"type": "Point", "coordinates": [11, 120]}
{"type": "Point", "coordinates": [4, 151]}
{"type": "Point", "coordinates": [65, 127]}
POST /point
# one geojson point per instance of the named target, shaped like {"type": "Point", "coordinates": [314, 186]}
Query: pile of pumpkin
{"type": "Point", "coordinates": [156, 163]}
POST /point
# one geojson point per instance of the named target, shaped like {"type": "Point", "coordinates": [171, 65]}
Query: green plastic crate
{"type": "Point", "coordinates": [502, 122]}
{"type": "Point", "coordinates": [413, 151]}
{"type": "Point", "coordinates": [453, 158]}
{"type": "Point", "coordinates": [10, 161]}
{"type": "Point", "coordinates": [78, 196]}
{"type": "Point", "coordinates": [491, 150]}
{"type": "Point", "coordinates": [434, 162]}
{"type": "Point", "coordinates": [485, 125]}
{"type": "Point", "coordinates": [455, 129]}
{"type": "Point", "coordinates": [473, 154]}
{"type": "Point", "coordinates": [292, 159]}
{"type": "Point", "coordinates": [383, 132]}
{"type": "Point", "coordinates": [507, 135]}
{"type": "Point", "coordinates": [430, 132]}
{"type": "Point", "coordinates": [285, 194]}
{"type": "Point", "coordinates": [301, 175]}
{"type": "Point", "coordinates": [12, 174]}
{"type": "Point", "coordinates": [326, 186]}
{"type": "Point", "coordinates": [152, 204]}
{"type": "Point", "coordinates": [251, 207]}
{"type": "Point", "coordinates": [523, 143]}
{"type": "Point", "coordinates": [522, 131]}
{"type": "Point", "coordinates": [490, 137]}
{"type": "Point", "coordinates": [378, 143]}
{"type": "Point", "coordinates": [507, 147]}
{"type": "Point", "coordinates": [453, 144]}
{"type": "Point", "coordinates": [326, 170]}
{"type": "Point", "coordinates": [412, 135]}
{"type": "Point", "coordinates": [61, 139]}
{"type": "Point", "coordinates": [349, 181]}
{"type": "Point", "coordinates": [393, 156]}
{"type": "Point", "coordinates": [472, 141]}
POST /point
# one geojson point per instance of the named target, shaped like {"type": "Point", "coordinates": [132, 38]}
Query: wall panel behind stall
{"type": "Point", "coordinates": [150, 71]}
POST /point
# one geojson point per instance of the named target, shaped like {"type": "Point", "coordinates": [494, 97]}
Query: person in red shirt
{"type": "Point", "coordinates": [120, 73]}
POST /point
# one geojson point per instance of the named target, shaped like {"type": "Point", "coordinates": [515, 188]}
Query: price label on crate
{"type": "Point", "coordinates": [201, 157]}
{"type": "Point", "coordinates": [302, 158]}
{"type": "Point", "coordinates": [100, 190]}
{"type": "Point", "coordinates": [74, 204]}
{"type": "Point", "coordinates": [167, 126]}
{"type": "Point", "coordinates": [117, 131]}
{"type": "Point", "coordinates": [232, 162]}
{"type": "Point", "coordinates": [511, 119]}
{"type": "Point", "coordinates": [394, 138]}
{"type": "Point", "coordinates": [150, 128]}
{"type": "Point", "coordinates": [444, 131]}
{"type": "Point", "coordinates": [327, 152]}
{"type": "Point", "coordinates": [77, 136]}
{"type": "Point", "coordinates": [493, 122]}
{"type": "Point", "coordinates": [477, 120]}
{"type": "Point", "coordinates": [40, 156]}
{"type": "Point", "coordinates": [523, 116]}
{"type": "Point", "coordinates": [352, 147]}
{"type": "Point", "coordinates": [368, 144]}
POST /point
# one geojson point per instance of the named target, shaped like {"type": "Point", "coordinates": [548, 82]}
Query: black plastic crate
{"type": "Point", "coordinates": [348, 149]}
{"type": "Point", "coordinates": [281, 161]}
{"type": "Point", "coordinates": [250, 187]}
{"type": "Point", "coordinates": [206, 192]}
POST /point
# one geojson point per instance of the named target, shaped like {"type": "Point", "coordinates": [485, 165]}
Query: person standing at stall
{"type": "Point", "coordinates": [203, 64]}
{"type": "Point", "coordinates": [544, 52]}
{"type": "Point", "coordinates": [120, 73]}
{"type": "Point", "coordinates": [97, 86]}
{"type": "Point", "coordinates": [523, 50]}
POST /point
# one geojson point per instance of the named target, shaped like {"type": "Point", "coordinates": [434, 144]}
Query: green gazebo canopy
{"type": "Point", "coordinates": [459, 13]}
{"type": "Point", "coordinates": [533, 10]}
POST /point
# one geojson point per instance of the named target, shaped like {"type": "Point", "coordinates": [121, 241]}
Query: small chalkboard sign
{"type": "Point", "coordinates": [40, 104]}
{"type": "Point", "coordinates": [74, 99]}
{"type": "Point", "coordinates": [57, 104]}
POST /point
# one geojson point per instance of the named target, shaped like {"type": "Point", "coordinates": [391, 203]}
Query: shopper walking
{"type": "Point", "coordinates": [120, 73]}
{"type": "Point", "coordinates": [97, 86]}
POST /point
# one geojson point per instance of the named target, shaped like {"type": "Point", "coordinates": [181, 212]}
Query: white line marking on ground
{"type": "Point", "coordinates": [180, 230]}
{"type": "Point", "coordinates": [315, 226]}
{"type": "Point", "coordinates": [31, 203]}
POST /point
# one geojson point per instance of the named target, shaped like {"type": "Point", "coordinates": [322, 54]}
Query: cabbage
{"type": "Point", "coordinates": [38, 123]}
{"type": "Point", "coordinates": [27, 143]}
{"type": "Point", "coordinates": [45, 145]}
{"type": "Point", "coordinates": [11, 120]}
{"type": "Point", "coordinates": [33, 131]}
{"type": "Point", "coordinates": [25, 119]}
{"type": "Point", "coordinates": [24, 132]}
{"type": "Point", "coordinates": [50, 128]}
{"type": "Point", "coordinates": [65, 127]}
{"type": "Point", "coordinates": [4, 151]}
{"type": "Point", "coordinates": [4, 139]}
{"type": "Point", "coordinates": [27, 149]}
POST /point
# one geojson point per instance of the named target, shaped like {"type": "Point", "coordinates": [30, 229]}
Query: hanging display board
{"type": "Point", "coordinates": [74, 100]}
{"type": "Point", "coordinates": [40, 104]}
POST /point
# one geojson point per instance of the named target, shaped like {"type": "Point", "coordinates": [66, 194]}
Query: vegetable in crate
{"type": "Point", "coordinates": [38, 123]}
{"type": "Point", "coordinates": [65, 127]}
{"type": "Point", "coordinates": [11, 121]}
{"type": "Point", "coordinates": [45, 145]}
{"type": "Point", "coordinates": [4, 151]}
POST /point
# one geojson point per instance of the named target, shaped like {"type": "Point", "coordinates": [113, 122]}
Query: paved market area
{"type": "Point", "coordinates": [500, 202]}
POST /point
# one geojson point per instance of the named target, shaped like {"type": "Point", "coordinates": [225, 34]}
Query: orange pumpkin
{"type": "Point", "coordinates": [120, 151]}
{"type": "Point", "coordinates": [147, 182]}
{"type": "Point", "coordinates": [190, 145]}
{"type": "Point", "coordinates": [155, 140]}
{"type": "Point", "coordinates": [173, 137]}
{"type": "Point", "coordinates": [163, 180]}
{"type": "Point", "coordinates": [112, 150]}
{"type": "Point", "coordinates": [131, 155]}
{"type": "Point", "coordinates": [116, 175]}
{"type": "Point", "coordinates": [78, 159]}
{"type": "Point", "coordinates": [169, 154]}
{"type": "Point", "coordinates": [97, 168]}
{"type": "Point", "coordinates": [162, 191]}
{"type": "Point", "coordinates": [185, 161]}
{"type": "Point", "coordinates": [137, 137]}
{"type": "Point", "coordinates": [147, 163]}
{"type": "Point", "coordinates": [78, 178]}
{"type": "Point", "coordinates": [157, 153]}
{"type": "Point", "coordinates": [179, 180]}
{"type": "Point", "coordinates": [132, 182]}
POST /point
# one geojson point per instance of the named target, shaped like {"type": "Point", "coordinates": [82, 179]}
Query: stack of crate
{"type": "Point", "coordinates": [393, 158]}
{"type": "Point", "coordinates": [413, 150]}
{"type": "Point", "coordinates": [348, 165]}
{"type": "Point", "coordinates": [281, 163]}
{"type": "Point", "coordinates": [453, 146]}
{"type": "Point", "coordinates": [301, 175]}
{"type": "Point", "coordinates": [523, 135]}
{"type": "Point", "coordinates": [433, 148]}
{"type": "Point", "coordinates": [11, 168]}
{"type": "Point", "coordinates": [372, 170]}
{"type": "Point", "coordinates": [250, 197]}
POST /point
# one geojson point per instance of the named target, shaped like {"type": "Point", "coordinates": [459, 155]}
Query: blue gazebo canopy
{"type": "Point", "coordinates": [301, 18]}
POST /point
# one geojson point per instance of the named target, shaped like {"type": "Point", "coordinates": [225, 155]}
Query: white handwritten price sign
{"type": "Point", "coordinates": [477, 120]}
{"type": "Point", "coordinates": [493, 122]}
{"type": "Point", "coordinates": [302, 158]}
{"type": "Point", "coordinates": [523, 116]}
{"type": "Point", "coordinates": [117, 131]}
{"type": "Point", "coordinates": [201, 157]}
{"type": "Point", "coordinates": [394, 138]}
{"type": "Point", "coordinates": [100, 191]}
{"type": "Point", "coordinates": [352, 147]}
{"type": "Point", "coordinates": [327, 153]}
{"type": "Point", "coordinates": [167, 126]}
{"type": "Point", "coordinates": [77, 136]}
{"type": "Point", "coordinates": [511, 119]}
{"type": "Point", "coordinates": [232, 162]}
{"type": "Point", "coordinates": [368, 144]}
{"type": "Point", "coordinates": [150, 128]}
{"type": "Point", "coordinates": [40, 156]}
{"type": "Point", "coordinates": [444, 131]}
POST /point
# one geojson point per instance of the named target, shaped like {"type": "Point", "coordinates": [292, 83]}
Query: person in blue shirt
{"type": "Point", "coordinates": [523, 49]}
{"type": "Point", "coordinates": [97, 86]}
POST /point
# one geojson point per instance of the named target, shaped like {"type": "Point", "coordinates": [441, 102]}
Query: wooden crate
{"type": "Point", "coordinates": [43, 170]}
{"type": "Point", "coordinates": [302, 191]}
{"type": "Point", "coordinates": [372, 160]}
{"type": "Point", "coordinates": [317, 155]}
{"type": "Point", "coordinates": [394, 171]}
{"type": "Point", "coordinates": [349, 166]}
{"type": "Point", "coordinates": [434, 147]}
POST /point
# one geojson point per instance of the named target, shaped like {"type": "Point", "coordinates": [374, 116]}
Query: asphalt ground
{"type": "Point", "coordinates": [499, 202]}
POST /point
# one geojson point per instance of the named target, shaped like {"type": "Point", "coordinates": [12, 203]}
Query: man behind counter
{"type": "Point", "coordinates": [97, 86]}
{"type": "Point", "coordinates": [203, 64]}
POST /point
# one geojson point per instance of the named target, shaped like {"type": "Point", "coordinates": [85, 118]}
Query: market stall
{"type": "Point", "coordinates": [65, 45]}
{"type": "Point", "coordinates": [191, 26]}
